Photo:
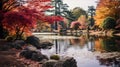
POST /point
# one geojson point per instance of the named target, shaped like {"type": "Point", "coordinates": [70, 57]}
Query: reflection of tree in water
{"type": "Point", "coordinates": [74, 41]}
{"type": "Point", "coordinates": [81, 41]}
{"type": "Point", "coordinates": [61, 45]}
{"type": "Point", "coordinates": [117, 40]}
{"type": "Point", "coordinates": [98, 46]}
{"type": "Point", "coordinates": [111, 55]}
{"type": "Point", "coordinates": [91, 44]}
{"type": "Point", "coordinates": [109, 44]}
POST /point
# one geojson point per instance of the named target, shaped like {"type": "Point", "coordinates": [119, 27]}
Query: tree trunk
{"type": "Point", "coordinates": [3, 32]}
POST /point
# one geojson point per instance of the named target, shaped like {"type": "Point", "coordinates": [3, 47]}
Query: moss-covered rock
{"type": "Point", "coordinates": [55, 57]}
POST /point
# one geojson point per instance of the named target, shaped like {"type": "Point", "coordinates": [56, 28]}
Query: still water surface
{"type": "Point", "coordinates": [85, 49]}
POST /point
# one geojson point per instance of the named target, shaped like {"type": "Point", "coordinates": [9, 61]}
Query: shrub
{"type": "Point", "coordinates": [9, 38]}
{"type": "Point", "coordinates": [108, 23]}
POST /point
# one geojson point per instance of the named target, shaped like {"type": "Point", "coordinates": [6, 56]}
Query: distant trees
{"type": "Point", "coordinates": [77, 12]}
{"type": "Point", "coordinates": [74, 14]}
{"type": "Point", "coordinates": [81, 23]}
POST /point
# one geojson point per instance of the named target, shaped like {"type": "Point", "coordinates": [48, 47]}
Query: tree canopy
{"type": "Point", "coordinates": [77, 12]}
{"type": "Point", "coordinates": [107, 8]}
{"type": "Point", "coordinates": [18, 16]}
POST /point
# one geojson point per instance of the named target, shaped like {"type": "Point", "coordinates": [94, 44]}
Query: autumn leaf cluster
{"type": "Point", "coordinates": [107, 8]}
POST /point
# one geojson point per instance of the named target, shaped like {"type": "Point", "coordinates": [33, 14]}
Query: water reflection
{"type": "Point", "coordinates": [81, 41]}
{"type": "Point", "coordinates": [87, 50]}
{"type": "Point", "coordinates": [110, 48]}
{"type": "Point", "coordinates": [108, 44]}
{"type": "Point", "coordinates": [61, 45]}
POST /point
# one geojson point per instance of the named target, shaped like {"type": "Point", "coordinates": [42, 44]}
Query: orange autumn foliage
{"type": "Point", "coordinates": [107, 8]}
{"type": "Point", "coordinates": [98, 46]}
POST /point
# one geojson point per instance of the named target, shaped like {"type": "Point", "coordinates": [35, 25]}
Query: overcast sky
{"type": "Point", "coordinates": [80, 3]}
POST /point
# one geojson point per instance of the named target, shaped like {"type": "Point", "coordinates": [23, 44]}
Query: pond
{"type": "Point", "coordinates": [89, 51]}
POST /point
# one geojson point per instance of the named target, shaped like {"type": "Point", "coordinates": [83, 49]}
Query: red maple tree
{"type": "Point", "coordinates": [17, 23]}
{"type": "Point", "coordinates": [40, 6]}
{"type": "Point", "coordinates": [24, 18]}
{"type": "Point", "coordinates": [6, 6]}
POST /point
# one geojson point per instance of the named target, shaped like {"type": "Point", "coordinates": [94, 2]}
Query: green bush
{"type": "Point", "coordinates": [55, 57]}
{"type": "Point", "coordinates": [108, 23]}
{"type": "Point", "coordinates": [9, 38]}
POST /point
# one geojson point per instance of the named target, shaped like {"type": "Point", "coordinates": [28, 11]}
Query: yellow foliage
{"type": "Point", "coordinates": [106, 8]}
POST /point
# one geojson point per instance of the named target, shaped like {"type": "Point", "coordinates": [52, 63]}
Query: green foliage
{"type": "Point", "coordinates": [74, 14]}
{"type": "Point", "coordinates": [77, 12]}
{"type": "Point", "coordinates": [55, 57]}
{"type": "Point", "coordinates": [108, 23]}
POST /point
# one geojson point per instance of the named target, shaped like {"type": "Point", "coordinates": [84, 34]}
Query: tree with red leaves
{"type": "Point", "coordinates": [6, 6]}
{"type": "Point", "coordinates": [39, 7]}
{"type": "Point", "coordinates": [24, 18]}
{"type": "Point", "coordinates": [17, 23]}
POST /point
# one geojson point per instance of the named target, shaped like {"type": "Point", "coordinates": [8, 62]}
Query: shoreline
{"type": "Point", "coordinates": [109, 33]}
{"type": "Point", "coordinates": [12, 54]}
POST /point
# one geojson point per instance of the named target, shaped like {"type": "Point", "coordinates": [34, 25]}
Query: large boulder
{"type": "Point", "coordinates": [21, 42]}
{"type": "Point", "coordinates": [66, 62]}
{"type": "Point", "coordinates": [33, 41]}
{"type": "Point", "coordinates": [27, 54]}
{"type": "Point", "coordinates": [46, 45]}
{"type": "Point", "coordinates": [8, 45]}
{"type": "Point", "coordinates": [55, 57]}
{"type": "Point", "coordinates": [59, 64]}
{"type": "Point", "coordinates": [33, 55]}
{"type": "Point", "coordinates": [49, 63]}
{"type": "Point", "coordinates": [69, 62]}
{"type": "Point", "coordinates": [15, 44]}
{"type": "Point", "coordinates": [18, 44]}
{"type": "Point", "coordinates": [39, 57]}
